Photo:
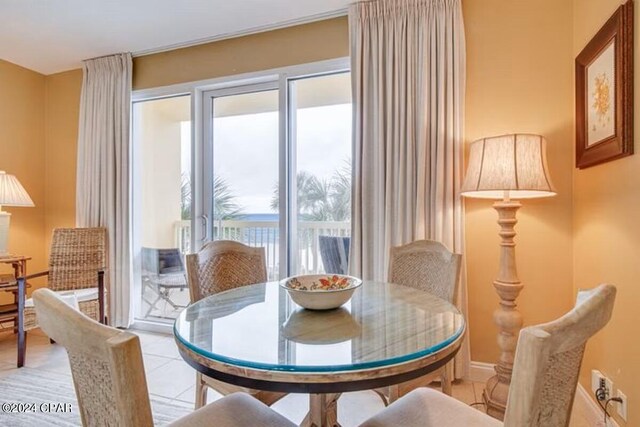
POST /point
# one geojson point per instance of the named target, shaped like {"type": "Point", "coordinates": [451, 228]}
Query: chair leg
{"type": "Point", "coordinates": [446, 378]}
{"type": "Point", "coordinates": [101, 317]}
{"type": "Point", "coordinates": [201, 392]}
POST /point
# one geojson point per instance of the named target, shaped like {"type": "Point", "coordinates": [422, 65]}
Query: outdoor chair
{"type": "Point", "coordinates": [162, 273]}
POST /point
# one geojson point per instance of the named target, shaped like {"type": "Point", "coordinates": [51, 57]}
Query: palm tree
{"type": "Point", "coordinates": [322, 200]}
{"type": "Point", "coordinates": [224, 204]}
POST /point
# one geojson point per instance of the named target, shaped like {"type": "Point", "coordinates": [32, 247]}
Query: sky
{"type": "Point", "coordinates": [246, 150]}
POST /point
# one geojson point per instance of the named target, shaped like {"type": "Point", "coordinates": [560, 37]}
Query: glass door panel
{"type": "Point", "coordinates": [320, 114]}
{"type": "Point", "coordinates": [162, 205]}
{"type": "Point", "coordinates": [245, 158]}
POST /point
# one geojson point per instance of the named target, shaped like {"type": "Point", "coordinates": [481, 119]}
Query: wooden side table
{"type": "Point", "coordinates": [15, 311]}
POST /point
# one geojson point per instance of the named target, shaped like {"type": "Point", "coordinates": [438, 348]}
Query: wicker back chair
{"type": "Point", "coordinates": [109, 379]}
{"type": "Point", "coordinates": [545, 376]}
{"type": "Point", "coordinates": [429, 266]}
{"type": "Point", "coordinates": [426, 265]}
{"type": "Point", "coordinates": [222, 265]}
{"type": "Point", "coordinates": [77, 261]}
{"type": "Point", "coordinates": [219, 266]}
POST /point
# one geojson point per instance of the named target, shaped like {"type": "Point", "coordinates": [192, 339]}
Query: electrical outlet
{"type": "Point", "coordinates": [621, 407]}
{"type": "Point", "coordinates": [597, 378]}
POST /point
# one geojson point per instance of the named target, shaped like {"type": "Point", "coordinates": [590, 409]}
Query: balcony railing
{"type": "Point", "coordinates": [266, 234]}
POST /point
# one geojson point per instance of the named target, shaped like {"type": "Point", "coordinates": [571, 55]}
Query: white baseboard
{"type": "Point", "coordinates": [480, 372]}
{"type": "Point", "coordinates": [584, 404]}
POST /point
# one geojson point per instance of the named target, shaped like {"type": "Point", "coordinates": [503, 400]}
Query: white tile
{"type": "Point", "coordinates": [293, 406]}
{"type": "Point", "coordinates": [171, 379]}
{"type": "Point", "coordinates": [162, 347]}
{"type": "Point", "coordinates": [152, 362]}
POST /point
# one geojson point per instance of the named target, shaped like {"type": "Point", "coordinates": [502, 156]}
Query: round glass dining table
{"type": "Point", "coordinates": [256, 337]}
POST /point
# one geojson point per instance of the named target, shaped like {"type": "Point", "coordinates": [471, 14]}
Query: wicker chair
{"type": "Point", "coordinates": [220, 266]}
{"type": "Point", "coordinates": [109, 379]}
{"type": "Point", "coordinates": [545, 376]}
{"type": "Point", "coordinates": [429, 266]}
{"type": "Point", "coordinates": [76, 269]}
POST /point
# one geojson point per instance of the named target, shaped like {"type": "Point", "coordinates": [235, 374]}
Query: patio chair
{"type": "Point", "coordinates": [429, 266]}
{"type": "Point", "coordinates": [162, 273]}
{"type": "Point", "coordinates": [219, 266]}
{"type": "Point", "coordinates": [334, 251]}
{"type": "Point", "coordinates": [545, 376]}
{"type": "Point", "coordinates": [76, 271]}
{"type": "Point", "coordinates": [109, 379]}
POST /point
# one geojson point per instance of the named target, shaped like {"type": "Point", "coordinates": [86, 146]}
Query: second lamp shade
{"type": "Point", "coordinates": [515, 163]}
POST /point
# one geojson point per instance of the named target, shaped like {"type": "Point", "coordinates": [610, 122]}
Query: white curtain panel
{"type": "Point", "coordinates": [103, 176]}
{"type": "Point", "coordinates": [408, 72]}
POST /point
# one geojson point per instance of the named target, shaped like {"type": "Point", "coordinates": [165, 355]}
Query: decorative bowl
{"type": "Point", "coordinates": [320, 291]}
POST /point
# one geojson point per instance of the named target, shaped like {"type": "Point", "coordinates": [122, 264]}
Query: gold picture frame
{"type": "Point", "coordinates": [604, 92]}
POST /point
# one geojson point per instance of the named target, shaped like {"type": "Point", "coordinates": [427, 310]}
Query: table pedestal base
{"type": "Point", "coordinates": [323, 411]}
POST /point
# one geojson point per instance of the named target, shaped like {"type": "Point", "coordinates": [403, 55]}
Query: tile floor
{"type": "Point", "coordinates": [161, 357]}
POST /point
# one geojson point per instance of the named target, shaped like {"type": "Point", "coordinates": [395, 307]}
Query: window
{"type": "Point", "coordinates": [269, 166]}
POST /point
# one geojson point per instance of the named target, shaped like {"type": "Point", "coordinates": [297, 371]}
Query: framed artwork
{"type": "Point", "coordinates": [604, 92]}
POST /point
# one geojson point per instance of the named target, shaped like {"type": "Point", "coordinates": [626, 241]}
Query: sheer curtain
{"type": "Point", "coordinates": [408, 71]}
{"type": "Point", "coordinates": [103, 177]}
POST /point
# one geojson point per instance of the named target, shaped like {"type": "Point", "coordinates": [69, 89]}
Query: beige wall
{"type": "Point", "coordinates": [62, 106]}
{"type": "Point", "coordinates": [606, 220]}
{"type": "Point", "coordinates": [159, 137]}
{"type": "Point", "coordinates": [519, 79]}
{"type": "Point", "coordinates": [301, 44]}
{"type": "Point", "coordinates": [22, 142]}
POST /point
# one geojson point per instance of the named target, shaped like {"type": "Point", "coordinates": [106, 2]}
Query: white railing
{"type": "Point", "coordinates": [266, 234]}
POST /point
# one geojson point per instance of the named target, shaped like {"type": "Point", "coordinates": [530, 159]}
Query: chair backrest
{"type": "Point", "coordinates": [548, 359]}
{"type": "Point", "coordinates": [334, 251]}
{"type": "Point", "coordinates": [222, 265]}
{"type": "Point", "coordinates": [161, 261]}
{"type": "Point", "coordinates": [106, 364]}
{"type": "Point", "coordinates": [426, 265]}
{"type": "Point", "coordinates": [76, 256]}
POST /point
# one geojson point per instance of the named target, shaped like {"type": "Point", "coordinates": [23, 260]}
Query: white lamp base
{"type": "Point", "coordinates": [5, 218]}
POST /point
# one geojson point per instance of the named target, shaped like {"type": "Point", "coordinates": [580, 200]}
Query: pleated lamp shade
{"type": "Point", "coordinates": [12, 193]}
{"type": "Point", "coordinates": [508, 165]}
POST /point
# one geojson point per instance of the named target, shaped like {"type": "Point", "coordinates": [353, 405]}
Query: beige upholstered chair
{"type": "Point", "coordinates": [76, 270]}
{"type": "Point", "coordinates": [219, 266]}
{"type": "Point", "coordinates": [109, 379]}
{"type": "Point", "coordinates": [545, 376]}
{"type": "Point", "coordinates": [429, 266]}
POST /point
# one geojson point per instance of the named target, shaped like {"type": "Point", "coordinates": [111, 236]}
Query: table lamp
{"type": "Point", "coordinates": [12, 193]}
{"type": "Point", "coordinates": [506, 167]}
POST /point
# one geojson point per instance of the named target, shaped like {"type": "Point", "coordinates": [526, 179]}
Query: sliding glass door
{"type": "Point", "coordinates": [277, 169]}
{"type": "Point", "coordinates": [241, 169]}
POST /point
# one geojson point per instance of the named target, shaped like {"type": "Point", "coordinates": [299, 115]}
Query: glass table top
{"type": "Point", "coordinates": [259, 326]}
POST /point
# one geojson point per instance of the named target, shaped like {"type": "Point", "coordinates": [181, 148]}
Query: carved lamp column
{"type": "Point", "coordinates": [506, 167]}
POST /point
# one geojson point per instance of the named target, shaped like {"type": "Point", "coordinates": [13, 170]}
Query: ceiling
{"type": "Point", "coordinates": [50, 36]}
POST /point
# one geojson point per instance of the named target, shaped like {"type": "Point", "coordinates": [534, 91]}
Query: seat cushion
{"type": "Point", "coordinates": [425, 407]}
{"type": "Point", "coordinates": [234, 410]}
{"type": "Point", "coordinates": [80, 295]}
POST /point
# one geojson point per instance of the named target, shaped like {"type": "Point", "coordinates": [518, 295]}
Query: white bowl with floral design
{"type": "Point", "coordinates": [321, 291]}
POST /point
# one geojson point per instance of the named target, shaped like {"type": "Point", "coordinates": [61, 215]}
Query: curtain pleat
{"type": "Point", "coordinates": [408, 75]}
{"type": "Point", "coordinates": [103, 177]}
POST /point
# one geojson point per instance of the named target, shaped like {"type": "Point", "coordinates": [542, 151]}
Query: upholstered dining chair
{"type": "Point", "coordinates": [219, 266]}
{"type": "Point", "coordinates": [429, 266]}
{"type": "Point", "coordinates": [545, 376]}
{"type": "Point", "coordinates": [109, 379]}
{"type": "Point", "coordinates": [77, 260]}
